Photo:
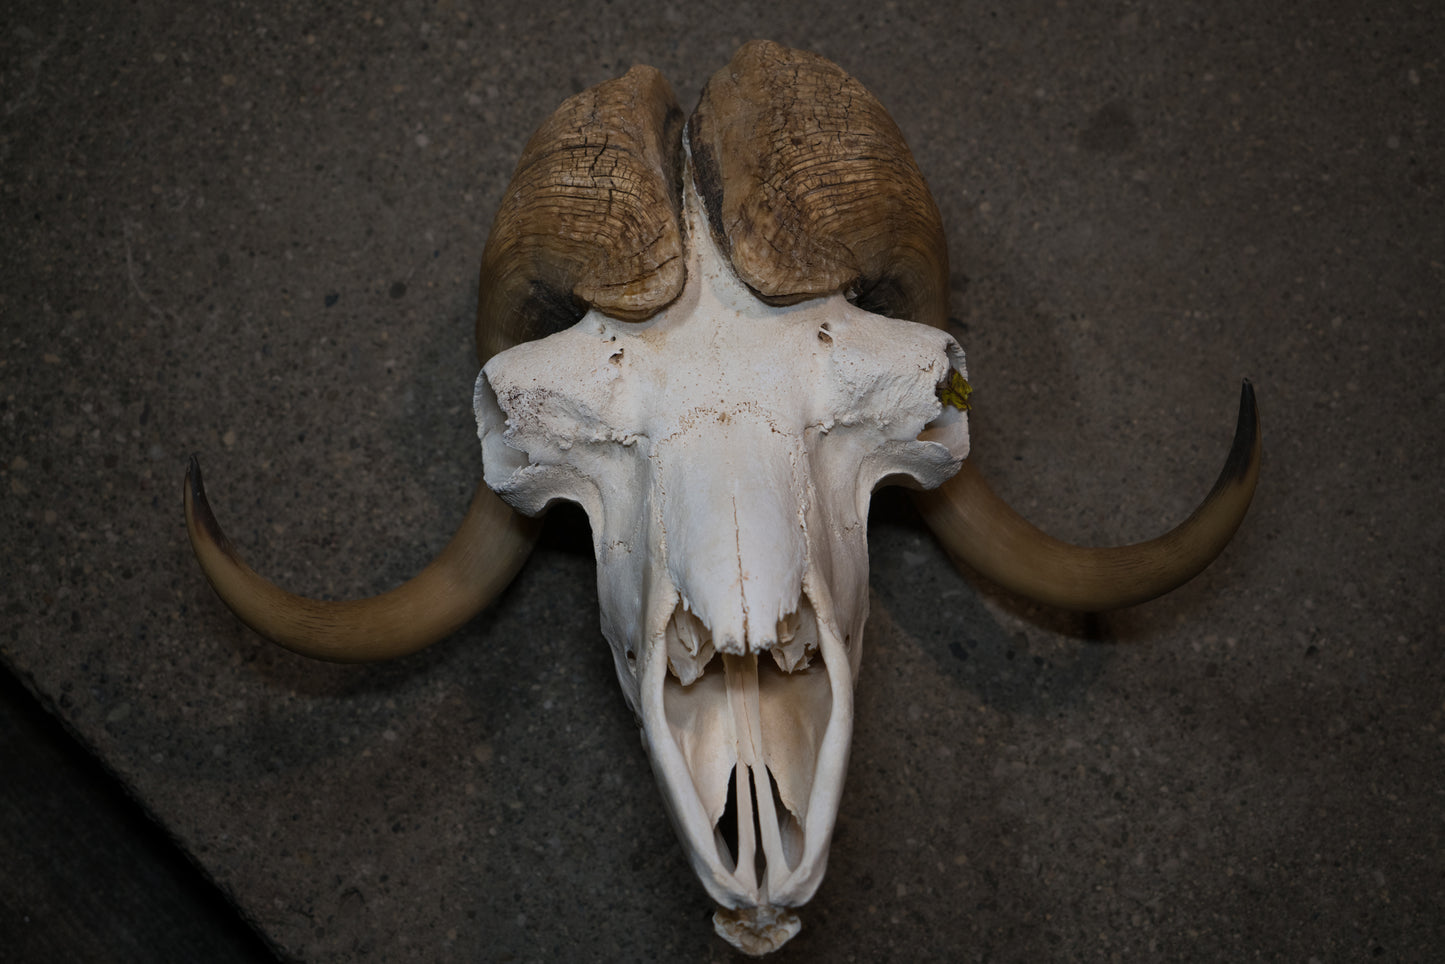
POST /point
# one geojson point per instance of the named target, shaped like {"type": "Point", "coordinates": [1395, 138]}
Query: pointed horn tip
{"type": "Point", "coordinates": [1244, 451]}
{"type": "Point", "coordinates": [200, 520]}
{"type": "Point", "coordinates": [193, 476]}
{"type": "Point", "coordinates": [977, 527]}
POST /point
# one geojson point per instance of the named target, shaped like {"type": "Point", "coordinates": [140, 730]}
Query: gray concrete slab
{"type": "Point", "coordinates": [251, 232]}
{"type": "Point", "coordinates": [87, 875]}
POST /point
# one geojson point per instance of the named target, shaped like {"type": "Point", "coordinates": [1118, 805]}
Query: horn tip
{"type": "Point", "coordinates": [200, 520]}
{"type": "Point", "coordinates": [1244, 452]}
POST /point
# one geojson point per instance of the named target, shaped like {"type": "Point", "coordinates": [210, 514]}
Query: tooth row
{"type": "Point", "coordinates": [690, 648]}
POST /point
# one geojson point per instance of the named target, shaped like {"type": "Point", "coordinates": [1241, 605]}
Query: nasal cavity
{"type": "Point", "coordinates": [747, 831]}
{"type": "Point", "coordinates": [792, 644]}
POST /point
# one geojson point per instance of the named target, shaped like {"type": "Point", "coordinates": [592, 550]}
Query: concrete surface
{"type": "Point", "coordinates": [87, 876]}
{"type": "Point", "coordinates": [251, 232]}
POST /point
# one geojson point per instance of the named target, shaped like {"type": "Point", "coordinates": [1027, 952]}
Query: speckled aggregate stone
{"type": "Point", "coordinates": [251, 232]}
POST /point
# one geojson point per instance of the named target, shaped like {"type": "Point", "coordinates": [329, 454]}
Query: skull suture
{"type": "Point", "coordinates": [719, 342]}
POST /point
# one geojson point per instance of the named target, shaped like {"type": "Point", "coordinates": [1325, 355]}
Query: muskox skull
{"type": "Point", "coordinates": [719, 338]}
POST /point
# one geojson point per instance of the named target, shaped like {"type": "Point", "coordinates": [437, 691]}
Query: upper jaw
{"type": "Point", "coordinates": [750, 759]}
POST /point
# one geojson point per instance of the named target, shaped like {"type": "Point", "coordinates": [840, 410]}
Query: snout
{"type": "Point", "coordinates": [746, 689]}
{"type": "Point", "coordinates": [750, 750]}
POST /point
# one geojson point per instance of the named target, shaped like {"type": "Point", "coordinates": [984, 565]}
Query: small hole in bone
{"type": "Point", "coordinates": [825, 334]}
{"type": "Point", "coordinates": [616, 357]}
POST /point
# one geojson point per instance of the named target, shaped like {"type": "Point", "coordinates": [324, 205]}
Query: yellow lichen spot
{"type": "Point", "coordinates": [955, 391]}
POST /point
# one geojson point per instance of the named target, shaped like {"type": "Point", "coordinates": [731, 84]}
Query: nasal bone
{"type": "Point", "coordinates": [737, 544]}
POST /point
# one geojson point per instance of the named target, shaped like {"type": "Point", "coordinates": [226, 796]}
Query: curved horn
{"type": "Point", "coordinates": [811, 189]}
{"type": "Point", "coordinates": [592, 216]}
{"type": "Point", "coordinates": [481, 559]}
{"type": "Point", "coordinates": [976, 526]}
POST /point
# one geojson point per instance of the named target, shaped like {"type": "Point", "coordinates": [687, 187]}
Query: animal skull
{"type": "Point", "coordinates": [725, 452]}
{"type": "Point", "coordinates": [719, 342]}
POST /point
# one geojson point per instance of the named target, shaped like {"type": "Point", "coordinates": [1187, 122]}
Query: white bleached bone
{"type": "Point", "coordinates": [725, 452]}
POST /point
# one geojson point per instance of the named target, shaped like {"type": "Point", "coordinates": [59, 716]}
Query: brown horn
{"type": "Point", "coordinates": [481, 559]}
{"type": "Point", "coordinates": [979, 529]}
{"type": "Point", "coordinates": [592, 217]}
{"type": "Point", "coordinates": [811, 189]}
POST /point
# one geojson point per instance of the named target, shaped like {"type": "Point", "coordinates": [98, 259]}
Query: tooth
{"type": "Point", "coordinates": [689, 649]}
{"type": "Point", "coordinates": [694, 632]}
{"type": "Point", "coordinates": [797, 642]}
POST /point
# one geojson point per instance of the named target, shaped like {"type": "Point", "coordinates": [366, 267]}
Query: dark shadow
{"type": "Point", "coordinates": [928, 598]}
{"type": "Point", "coordinates": [89, 876]}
